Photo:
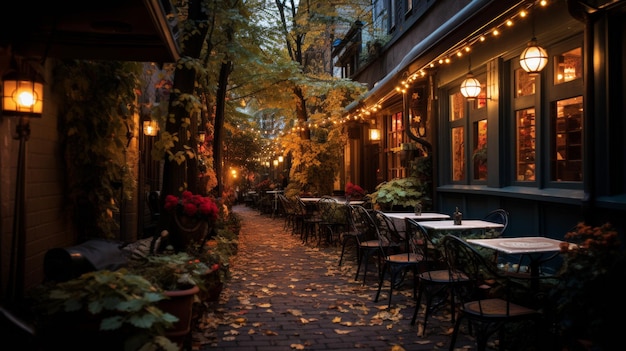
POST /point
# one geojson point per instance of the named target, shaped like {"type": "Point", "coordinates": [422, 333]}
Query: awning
{"type": "Point", "coordinates": [472, 19]}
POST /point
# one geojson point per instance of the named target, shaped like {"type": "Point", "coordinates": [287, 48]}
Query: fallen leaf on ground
{"type": "Point", "coordinates": [343, 331]}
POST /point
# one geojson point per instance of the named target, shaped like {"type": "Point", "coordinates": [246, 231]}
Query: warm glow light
{"type": "Point", "coordinates": [21, 96]}
{"type": "Point", "coordinates": [201, 136]}
{"type": "Point", "coordinates": [374, 134]}
{"type": "Point", "coordinates": [280, 159]}
{"type": "Point", "coordinates": [534, 58]}
{"type": "Point", "coordinates": [150, 128]}
{"type": "Point", "coordinates": [470, 88]}
{"type": "Point", "coordinates": [275, 163]}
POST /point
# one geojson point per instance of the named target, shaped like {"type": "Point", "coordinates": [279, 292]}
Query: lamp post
{"type": "Point", "coordinates": [22, 97]}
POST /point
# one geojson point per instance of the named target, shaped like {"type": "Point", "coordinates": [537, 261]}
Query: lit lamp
{"type": "Point", "coordinates": [201, 136]}
{"type": "Point", "coordinates": [470, 88]}
{"type": "Point", "coordinates": [534, 58]}
{"type": "Point", "coordinates": [374, 134]}
{"type": "Point", "coordinates": [280, 158]}
{"type": "Point", "coordinates": [150, 128]}
{"type": "Point", "coordinates": [22, 96]}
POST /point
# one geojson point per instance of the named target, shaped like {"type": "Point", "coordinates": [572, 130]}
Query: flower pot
{"type": "Point", "coordinates": [190, 231]}
{"type": "Point", "coordinates": [179, 304]}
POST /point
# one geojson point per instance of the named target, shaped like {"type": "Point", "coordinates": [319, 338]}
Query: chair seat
{"type": "Point", "coordinates": [409, 258]}
{"type": "Point", "coordinates": [494, 308]}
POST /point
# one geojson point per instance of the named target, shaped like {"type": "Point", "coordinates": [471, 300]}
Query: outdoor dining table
{"type": "Point", "coordinates": [535, 247]}
{"type": "Point", "coordinates": [398, 218]}
{"type": "Point", "coordinates": [466, 225]}
{"type": "Point", "coordinates": [340, 200]}
{"type": "Point", "coordinates": [275, 192]}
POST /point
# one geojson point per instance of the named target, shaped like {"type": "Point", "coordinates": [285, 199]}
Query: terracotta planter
{"type": "Point", "coordinates": [179, 304]}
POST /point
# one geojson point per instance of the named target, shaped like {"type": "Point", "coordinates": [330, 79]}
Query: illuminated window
{"type": "Point", "coordinates": [568, 66]}
{"type": "Point", "coordinates": [525, 149]}
{"type": "Point", "coordinates": [567, 140]}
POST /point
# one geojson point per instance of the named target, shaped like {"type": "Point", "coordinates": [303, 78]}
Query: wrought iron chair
{"type": "Point", "coordinates": [368, 245]}
{"type": "Point", "coordinates": [434, 283]}
{"type": "Point", "coordinates": [486, 302]}
{"type": "Point", "coordinates": [400, 255]}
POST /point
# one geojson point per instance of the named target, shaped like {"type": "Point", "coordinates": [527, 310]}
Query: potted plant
{"type": "Point", "coordinates": [398, 193]}
{"type": "Point", "coordinates": [354, 191]}
{"type": "Point", "coordinates": [182, 277]}
{"type": "Point", "coordinates": [588, 297]}
{"type": "Point", "coordinates": [101, 310]}
{"type": "Point", "coordinates": [194, 215]}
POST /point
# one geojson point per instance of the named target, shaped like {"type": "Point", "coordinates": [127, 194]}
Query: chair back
{"type": "Point", "coordinates": [419, 238]}
{"type": "Point", "coordinates": [498, 216]}
{"type": "Point", "coordinates": [388, 234]}
{"type": "Point", "coordinates": [465, 262]}
{"type": "Point", "coordinates": [361, 221]}
{"type": "Point", "coordinates": [287, 205]}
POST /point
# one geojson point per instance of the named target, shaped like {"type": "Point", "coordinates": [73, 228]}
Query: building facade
{"type": "Point", "coordinates": [543, 145]}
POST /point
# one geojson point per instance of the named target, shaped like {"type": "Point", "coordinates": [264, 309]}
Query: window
{"type": "Point", "coordinates": [458, 153]}
{"type": "Point", "coordinates": [392, 15]}
{"type": "Point", "coordinates": [568, 66]}
{"type": "Point", "coordinates": [525, 148]}
{"type": "Point", "coordinates": [567, 140]}
{"type": "Point", "coordinates": [395, 139]}
{"type": "Point", "coordinates": [524, 83]}
{"type": "Point", "coordinates": [479, 156]}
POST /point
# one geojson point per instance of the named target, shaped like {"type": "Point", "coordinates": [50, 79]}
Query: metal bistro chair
{"type": "Point", "coordinates": [356, 226]}
{"type": "Point", "coordinates": [398, 259]}
{"type": "Point", "coordinates": [368, 245]}
{"type": "Point", "coordinates": [486, 301]}
{"type": "Point", "coordinates": [434, 283]}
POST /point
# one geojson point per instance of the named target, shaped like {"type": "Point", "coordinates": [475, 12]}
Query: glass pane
{"type": "Point", "coordinates": [525, 151]}
{"type": "Point", "coordinates": [458, 153]}
{"type": "Point", "coordinates": [480, 150]}
{"type": "Point", "coordinates": [457, 106]}
{"type": "Point", "coordinates": [567, 140]}
{"type": "Point", "coordinates": [568, 66]}
{"type": "Point", "coordinates": [481, 100]}
{"type": "Point", "coordinates": [524, 83]}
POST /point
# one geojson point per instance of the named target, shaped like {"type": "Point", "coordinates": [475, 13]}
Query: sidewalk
{"type": "Point", "coordinates": [284, 295]}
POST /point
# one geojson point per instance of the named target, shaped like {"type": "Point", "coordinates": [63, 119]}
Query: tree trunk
{"type": "Point", "coordinates": [175, 176]}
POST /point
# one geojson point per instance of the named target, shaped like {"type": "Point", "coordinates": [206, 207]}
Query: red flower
{"type": "Point", "coordinates": [354, 190]}
{"type": "Point", "coordinates": [192, 205]}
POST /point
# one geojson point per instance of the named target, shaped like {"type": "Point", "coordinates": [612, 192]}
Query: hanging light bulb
{"type": "Point", "coordinates": [470, 88]}
{"type": "Point", "coordinates": [534, 58]}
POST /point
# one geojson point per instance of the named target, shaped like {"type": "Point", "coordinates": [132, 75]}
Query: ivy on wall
{"type": "Point", "coordinates": [96, 102]}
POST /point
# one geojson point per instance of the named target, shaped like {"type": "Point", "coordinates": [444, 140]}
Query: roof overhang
{"type": "Point", "coordinates": [472, 19]}
{"type": "Point", "coordinates": [125, 30]}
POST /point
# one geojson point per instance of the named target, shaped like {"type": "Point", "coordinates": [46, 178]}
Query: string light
{"type": "Point", "coordinates": [445, 58]}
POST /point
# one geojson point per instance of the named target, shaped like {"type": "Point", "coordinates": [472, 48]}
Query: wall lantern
{"type": "Point", "coordinates": [280, 158]}
{"type": "Point", "coordinates": [534, 58]}
{"type": "Point", "coordinates": [470, 88]}
{"type": "Point", "coordinates": [275, 163]}
{"type": "Point", "coordinates": [150, 128]}
{"type": "Point", "coordinates": [201, 136]}
{"type": "Point", "coordinates": [22, 95]}
{"type": "Point", "coordinates": [374, 134]}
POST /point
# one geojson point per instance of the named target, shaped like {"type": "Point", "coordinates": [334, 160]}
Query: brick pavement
{"type": "Point", "coordinates": [285, 295]}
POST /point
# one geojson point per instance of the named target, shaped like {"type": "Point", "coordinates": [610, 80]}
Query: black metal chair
{"type": "Point", "coordinates": [400, 255]}
{"type": "Point", "coordinates": [487, 301]}
{"type": "Point", "coordinates": [434, 283]}
{"type": "Point", "coordinates": [368, 245]}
